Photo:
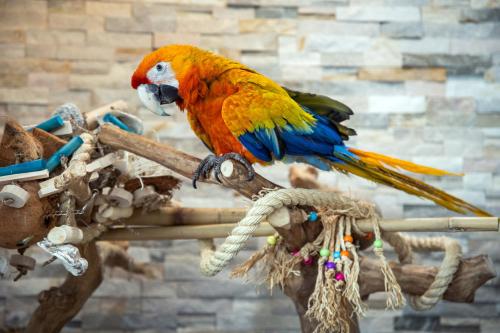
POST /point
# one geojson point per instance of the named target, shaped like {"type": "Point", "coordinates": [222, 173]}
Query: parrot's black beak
{"type": "Point", "coordinates": [165, 94]}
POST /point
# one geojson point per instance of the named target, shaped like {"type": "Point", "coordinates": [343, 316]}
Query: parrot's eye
{"type": "Point", "coordinates": [159, 67]}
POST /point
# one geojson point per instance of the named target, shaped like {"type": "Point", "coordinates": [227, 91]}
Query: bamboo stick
{"type": "Point", "coordinates": [179, 232]}
{"type": "Point", "coordinates": [169, 216]}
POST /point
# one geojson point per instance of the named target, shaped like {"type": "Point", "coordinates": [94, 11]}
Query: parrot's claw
{"type": "Point", "coordinates": [212, 162]}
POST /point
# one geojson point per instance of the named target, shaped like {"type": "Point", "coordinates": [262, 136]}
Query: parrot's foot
{"type": "Point", "coordinates": [212, 162]}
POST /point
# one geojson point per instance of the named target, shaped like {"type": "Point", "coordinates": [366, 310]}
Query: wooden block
{"type": "Point", "coordinates": [47, 188]}
{"type": "Point", "coordinates": [65, 129]}
{"type": "Point", "coordinates": [14, 196]}
{"type": "Point", "coordinates": [22, 177]}
{"type": "Point", "coordinates": [103, 162]}
{"type": "Point", "coordinates": [18, 145]}
{"type": "Point", "coordinates": [49, 141]}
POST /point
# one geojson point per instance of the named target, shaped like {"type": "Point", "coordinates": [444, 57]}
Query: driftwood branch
{"type": "Point", "coordinates": [416, 279]}
{"type": "Point", "coordinates": [59, 304]}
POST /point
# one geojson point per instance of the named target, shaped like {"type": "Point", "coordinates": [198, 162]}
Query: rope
{"type": "Point", "coordinates": [403, 245]}
{"type": "Point", "coordinates": [212, 262]}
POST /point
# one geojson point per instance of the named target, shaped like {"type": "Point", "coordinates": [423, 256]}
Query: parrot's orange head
{"type": "Point", "coordinates": [157, 76]}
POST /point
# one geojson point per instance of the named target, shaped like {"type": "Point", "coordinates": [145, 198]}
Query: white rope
{"type": "Point", "coordinates": [403, 245]}
{"type": "Point", "coordinates": [213, 262]}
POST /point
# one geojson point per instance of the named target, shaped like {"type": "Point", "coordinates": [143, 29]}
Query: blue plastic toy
{"type": "Point", "coordinates": [51, 124]}
{"type": "Point", "coordinates": [24, 167]}
{"type": "Point", "coordinates": [111, 118]}
{"type": "Point", "coordinates": [66, 150]}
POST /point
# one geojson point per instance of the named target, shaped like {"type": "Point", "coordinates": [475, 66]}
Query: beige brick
{"type": "Point", "coordinates": [116, 39]}
{"type": "Point", "coordinates": [12, 36]}
{"type": "Point", "coordinates": [13, 80]}
{"type": "Point", "coordinates": [85, 53]}
{"type": "Point", "coordinates": [65, 6]}
{"type": "Point", "coordinates": [90, 67]}
{"type": "Point", "coordinates": [12, 50]}
{"type": "Point", "coordinates": [25, 66]}
{"type": "Point", "coordinates": [24, 95]}
{"type": "Point", "coordinates": [131, 54]}
{"type": "Point", "coordinates": [108, 8]}
{"type": "Point", "coordinates": [53, 81]}
{"type": "Point", "coordinates": [83, 99]}
{"type": "Point", "coordinates": [162, 39]}
{"type": "Point", "coordinates": [54, 37]}
{"type": "Point", "coordinates": [398, 74]}
{"type": "Point", "coordinates": [249, 42]}
{"type": "Point", "coordinates": [74, 21]}
{"type": "Point", "coordinates": [208, 26]}
{"type": "Point", "coordinates": [233, 13]}
{"type": "Point", "coordinates": [41, 51]}
{"type": "Point", "coordinates": [118, 77]}
{"type": "Point", "coordinates": [15, 14]}
{"type": "Point", "coordinates": [268, 25]}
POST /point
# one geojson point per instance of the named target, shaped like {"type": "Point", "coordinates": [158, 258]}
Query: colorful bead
{"type": "Point", "coordinates": [369, 235]}
{"type": "Point", "coordinates": [330, 265]}
{"type": "Point", "coordinates": [295, 253]}
{"type": "Point", "coordinates": [339, 276]}
{"type": "Point", "coordinates": [348, 239]}
{"type": "Point", "coordinates": [336, 255]}
{"type": "Point", "coordinates": [378, 244]}
{"type": "Point", "coordinates": [271, 240]}
{"type": "Point", "coordinates": [308, 261]}
{"type": "Point", "coordinates": [344, 253]}
{"type": "Point", "coordinates": [313, 216]}
{"type": "Point", "coordinates": [324, 252]}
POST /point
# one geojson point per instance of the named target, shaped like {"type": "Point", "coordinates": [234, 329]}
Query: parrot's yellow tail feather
{"type": "Point", "coordinates": [373, 168]}
{"type": "Point", "coordinates": [379, 159]}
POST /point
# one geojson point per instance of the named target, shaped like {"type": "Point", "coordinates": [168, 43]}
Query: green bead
{"type": "Point", "coordinates": [378, 243]}
{"type": "Point", "coordinates": [271, 240]}
{"type": "Point", "coordinates": [324, 252]}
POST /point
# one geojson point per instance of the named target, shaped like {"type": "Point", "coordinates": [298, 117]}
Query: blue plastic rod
{"type": "Point", "coordinates": [24, 167]}
{"type": "Point", "coordinates": [55, 160]}
{"type": "Point", "coordinates": [111, 118]}
{"type": "Point", "coordinates": [51, 124]}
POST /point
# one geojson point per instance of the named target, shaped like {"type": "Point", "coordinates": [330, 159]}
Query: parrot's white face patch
{"type": "Point", "coordinates": [150, 101]}
{"type": "Point", "coordinates": [162, 73]}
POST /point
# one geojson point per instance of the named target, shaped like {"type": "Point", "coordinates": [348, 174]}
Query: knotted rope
{"type": "Point", "coordinates": [214, 261]}
{"type": "Point", "coordinates": [327, 302]}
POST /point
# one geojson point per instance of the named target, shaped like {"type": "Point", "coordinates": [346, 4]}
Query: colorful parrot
{"type": "Point", "coordinates": [242, 115]}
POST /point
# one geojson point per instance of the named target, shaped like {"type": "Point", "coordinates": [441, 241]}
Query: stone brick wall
{"type": "Point", "coordinates": [421, 75]}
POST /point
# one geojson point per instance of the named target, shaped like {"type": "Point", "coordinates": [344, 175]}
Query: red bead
{"type": "Point", "coordinates": [339, 276]}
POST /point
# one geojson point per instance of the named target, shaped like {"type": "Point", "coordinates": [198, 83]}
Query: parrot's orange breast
{"type": "Point", "coordinates": [206, 117]}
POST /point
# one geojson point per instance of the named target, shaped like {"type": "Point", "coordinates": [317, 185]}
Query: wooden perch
{"type": "Point", "coordinates": [179, 232]}
{"type": "Point", "coordinates": [168, 216]}
{"type": "Point", "coordinates": [178, 161]}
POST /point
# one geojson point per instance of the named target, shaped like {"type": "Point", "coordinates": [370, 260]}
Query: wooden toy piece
{"type": "Point", "coordinates": [106, 213]}
{"type": "Point", "coordinates": [65, 234]}
{"type": "Point", "coordinates": [49, 141]}
{"type": "Point", "coordinates": [14, 196]}
{"type": "Point", "coordinates": [121, 197]}
{"type": "Point", "coordinates": [104, 162]}
{"type": "Point", "coordinates": [22, 177]}
{"type": "Point", "coordinates": [143, 195]}
{"type": "Point", "coordinates": [26, 226]}
{"type": "Point", "coordinates": [47, 188]}
{"type": "Point", "coordinates": [91, 116]}
{"type": "Point", "coordinates": [18, 145]}
{"type": "Point", "coordinates": [22, 261]}
{"type": "Point", "coordinates": [65, 129]}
